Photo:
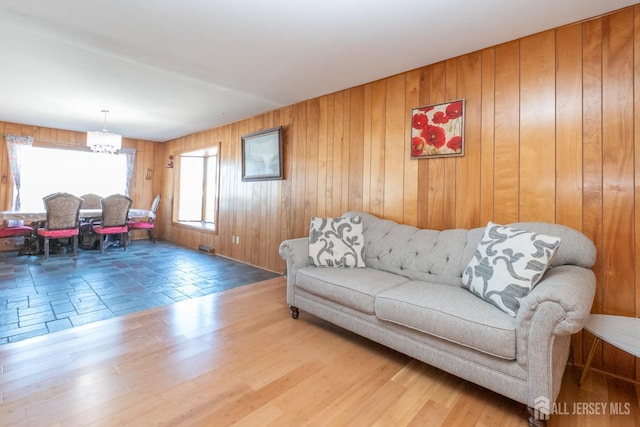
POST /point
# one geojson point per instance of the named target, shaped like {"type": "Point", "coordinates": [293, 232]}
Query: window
{"type": "Point", "coordinates": [48, 170]}
{"type": "Point", "coordinates": [198, 188]}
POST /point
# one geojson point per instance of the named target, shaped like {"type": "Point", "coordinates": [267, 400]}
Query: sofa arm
{"type": "Point", "coordinates": [565, 295]}
{"type": "Point", "coordinates": [556, 308]}
{"type": "Point", "coordinates": [572, 288]}
{"type": "Point", "coordinates": [295, 252]}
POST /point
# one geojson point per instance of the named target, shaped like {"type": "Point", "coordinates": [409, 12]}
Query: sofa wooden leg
{"type": "Point", "coordinates": [534, 418]}
{"type": "Point", "coordinates": [294, 312]}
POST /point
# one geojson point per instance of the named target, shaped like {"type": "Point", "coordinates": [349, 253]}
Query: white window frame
{"type": "Point", "coordinates": [86, 180]}
{"type": "Point", "coordinates": [210, 188]}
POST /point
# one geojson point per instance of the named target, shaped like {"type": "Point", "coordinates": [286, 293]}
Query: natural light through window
{"type": "Point", "coordinates": [47, 170]}
{"type": "Point", "coordinates": [198, 188]}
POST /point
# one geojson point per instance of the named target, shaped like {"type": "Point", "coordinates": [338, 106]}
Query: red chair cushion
{"type": "Point", "coordinates": [110, 230]}
{"type": "Point", "coordinates": [141, 224]}
{"type": "Point", "coordinates": [67, 232]}
{"type": "Point", "coordinates": [21, 230]}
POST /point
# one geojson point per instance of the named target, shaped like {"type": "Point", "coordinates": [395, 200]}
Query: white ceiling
{"type": "Point", "coordinates": [168, 68]}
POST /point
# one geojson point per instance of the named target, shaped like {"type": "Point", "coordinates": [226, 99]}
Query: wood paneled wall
{"type": "Point", "coordinates": [142, 191]}
{"type": "Point", "coordinates": [550, 135]}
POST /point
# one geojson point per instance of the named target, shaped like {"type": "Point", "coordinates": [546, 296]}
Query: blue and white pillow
{"type": "Point", "coordinates": [507, 264]}
{"type": "Point", "coordinates": [336, 242]}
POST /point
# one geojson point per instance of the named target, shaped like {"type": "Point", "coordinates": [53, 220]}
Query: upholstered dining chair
{"type": "Point", "coordinates": [63, 210]}
{"type": "Point", "coordinates": [91, 201]}
{"type": "Point", "coordinates": [17, 231]}
{"type": "Point", "coordinates": [45, 198]}
{"type": "Point", "coordinates": [147, 224]}
{"type": "Point", "coordinates": [87, 238]}
{"type": "Point", "coordinates": [115, 212]}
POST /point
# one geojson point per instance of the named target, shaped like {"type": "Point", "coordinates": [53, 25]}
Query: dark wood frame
{"type": "Point", "coordinates": [266, 139]}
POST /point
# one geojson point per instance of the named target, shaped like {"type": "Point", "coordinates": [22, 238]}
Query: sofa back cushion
{"type": "Point", "coordinates": [427, 255]}
{"type": "Point", "coordinates": [441, 256]}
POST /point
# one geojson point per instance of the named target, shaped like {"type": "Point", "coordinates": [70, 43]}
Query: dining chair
{"type": "Point", "coordinates": [45, 198]}
{"type": "Point", "coordinates": [17, 231]}
{"type": "Point", "coordinates": [115, 212]}
{"type": "Point", "coordinates": [91, 201]}
{"type": "Point", "coordinates": [87, 238]}
{"type": "Point", "coordinates": [147, 224]}
{"type": "Point", "coordinates": [63, 210]}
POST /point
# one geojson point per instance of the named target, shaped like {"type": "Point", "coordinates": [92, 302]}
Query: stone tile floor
{"type": "Point", "coordinates": [39, 296]}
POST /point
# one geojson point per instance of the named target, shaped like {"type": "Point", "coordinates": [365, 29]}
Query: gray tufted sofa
{"type": "Point", "coordinates": [409, 298]}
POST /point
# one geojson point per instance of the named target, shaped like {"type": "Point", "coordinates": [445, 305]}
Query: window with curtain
{"type": "Point", "coordinates": [198, 188]}
{"type": "Point", "coordinates": [48, 170]}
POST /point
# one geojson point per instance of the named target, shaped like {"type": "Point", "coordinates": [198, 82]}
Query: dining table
{"type": "Point", "coordinates": [41, 215]}
{"type": "Point", "coordinates": [35, 219]}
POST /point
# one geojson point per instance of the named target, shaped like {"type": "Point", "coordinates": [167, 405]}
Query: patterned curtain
{"type": "Point", "coordinates": [131, 162]}
{"type": "Point", "coordinates": [16, 146]}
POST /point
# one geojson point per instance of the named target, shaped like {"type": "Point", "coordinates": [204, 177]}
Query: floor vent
{"type": "Point", "coordinates": [206, 249]}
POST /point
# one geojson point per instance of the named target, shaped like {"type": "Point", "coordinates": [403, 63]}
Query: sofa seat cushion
{"type": "Point", "coordinates": [355, 288]}
{"type": "Point", "coordinates": [451, 313]}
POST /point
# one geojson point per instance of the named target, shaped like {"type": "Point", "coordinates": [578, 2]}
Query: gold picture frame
{"type": "Point", "coordinates": [438, 130]}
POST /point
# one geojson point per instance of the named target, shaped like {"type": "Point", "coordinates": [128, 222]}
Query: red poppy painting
{"type": "Point", "coordinates": [438, 130]}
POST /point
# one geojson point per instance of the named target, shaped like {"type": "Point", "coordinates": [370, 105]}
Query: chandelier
{"type": "Point", "coordinates": [103, 141]}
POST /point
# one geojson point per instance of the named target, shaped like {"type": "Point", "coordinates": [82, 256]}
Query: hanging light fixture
{"type": "Point", "coordinates": [104, 141]}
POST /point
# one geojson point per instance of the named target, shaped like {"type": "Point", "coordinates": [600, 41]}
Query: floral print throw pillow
{"type": "Point", "coordinates": [507, 264]}
{"type": "Point", "coordinates": [336, 242]}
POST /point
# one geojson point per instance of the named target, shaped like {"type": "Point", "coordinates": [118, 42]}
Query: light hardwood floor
{"type": "Point", "coordinates": [237, 358]}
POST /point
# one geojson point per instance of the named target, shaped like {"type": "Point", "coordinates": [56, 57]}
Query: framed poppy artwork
{"type": "Point", "coordinates": [438, 130]}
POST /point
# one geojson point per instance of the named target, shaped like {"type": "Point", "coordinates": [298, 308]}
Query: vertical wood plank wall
{"type": "Point", "coordinates": [552, 133]}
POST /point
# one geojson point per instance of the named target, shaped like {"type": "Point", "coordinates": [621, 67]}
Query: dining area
{"type": "Point", "coordinates": [67, 222]}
